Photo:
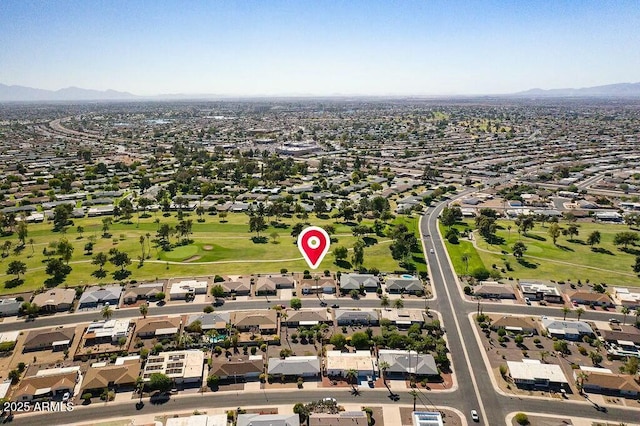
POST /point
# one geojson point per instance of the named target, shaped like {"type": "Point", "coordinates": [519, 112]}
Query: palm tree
{"type": "Point", "coordinates": [31, 241]}
{"type": "Point", "coordinates": [384, 302]}
{"type": "Point", "coordinates": [144, 310]}
{"type": "Point", "coordinates": [637, 314]}
{"type": "Point", "coordinates": [384, 366]}
{"type": "Point", "coordinates": [107, 312]}
{"type": "Point", "coordinates": [398, 304]}
{"type": "Point", "coordinates": [579, 313]}
{"type": "Point", "coordinates": [543, 355]}
{"type": "Point", "coordinates": [414, 394]}
{"type": "Point", "coordinates": [351, 376]}
{"type": "Point", "coordinates": [625, 311]}
{"type": "Point", "coordinates": [581, 376]}
{"type": "Point", "coordinates": [565, 311]}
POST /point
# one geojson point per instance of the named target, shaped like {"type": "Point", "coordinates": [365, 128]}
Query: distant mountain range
{"type": "Point", "coordinates": [609, 90]}
{"type": "Point", "coordinates": [30, 94]}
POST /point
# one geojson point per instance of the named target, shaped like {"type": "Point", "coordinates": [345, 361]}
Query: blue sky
{"type": "Point", "coordinates": [292, 47]}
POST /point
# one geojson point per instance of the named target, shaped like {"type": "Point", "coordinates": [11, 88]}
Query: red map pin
{"type": "Point", "coordinates": [313, 243]}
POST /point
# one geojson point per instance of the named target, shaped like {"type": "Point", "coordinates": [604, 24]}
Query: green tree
{"type": "Point", "coordinates": [595, 357]}
{"type": "Point", "coordinates": [295, 303]}
{"type": "Point", "coordinates": [257, 224]}
{"type": "Point", "coordinates": [465, 257]}
{"type": "Point", "coordinates": [398, 304]}
{"type": "Point", "coordinates": [64, 249]}
{"type": "Point", "coordinates": [302, 411]}
{"type": "Point", "coordinates": [340, 253]}
{"type": "Point", "coordinates": [106, 312]}
{"type": "Point", "coordinates": [625, 311]}
{"type": "Point", "coordinates": [518, 249]}
{"type": "Point", "coordinates": [22, 232]}
{"type": "Point", "coordinates": [16, 267]}
{"type": "Point", "coordinates": [579, 312]}
{"type": "Point", "coordinates": [144, 310]}
{"type": "Point", "coordinates": [594, 238]}
{"type": "Point", "coordinates": [100, 259]}
{"type": "Point", "coordinates": [358, 253]}
{"type": "Point", "coordinates": [120, 259]}
{"type": "Point", "coordinates": [338, 341]}
{"type": "Point", "coordinates": [57, 269]}
{"type": "Point", "coordinates": [625, 238]}
{"type": "Point", "coordinates": [61, 215]}
{"type": "Point", "coordinates": [160, 382]}
{"type": "Point", "coordinates": [217, 291]}
{"type": "Point", "coordinates": [384, 301]}
{"type": "Point", "coordinates": [565, 311]}
{"type": "Point", "coordinates": [360, 340]}
{"type": "Point", "coordinates": [554, 232]}
{"type": "Point", "coordinates": [450, 216]}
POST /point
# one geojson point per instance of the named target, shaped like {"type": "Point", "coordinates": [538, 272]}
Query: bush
{"type": "Point", "coordinates": [218, 279]}
{"type": "Point", "coordinates": [521, 419]}
{"type": "Point", "coordinates": [208, 309]}
{"type": "Point", "coordinates": [284, 270]}
{"type": "Point", "coordinates": [212, 381]}
{"type": "Point", "coordinates": [480, 274]}
{"type": "Point", "coordinates": [7, 346]}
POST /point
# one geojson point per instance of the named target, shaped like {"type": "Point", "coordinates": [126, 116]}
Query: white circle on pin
{"type": "Point", "coordinates": [314, 242]}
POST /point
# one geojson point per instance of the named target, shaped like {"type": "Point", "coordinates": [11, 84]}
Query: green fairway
{"type": "Point", "coordinates": [567, 260]}
{"type": "Point", "coordinates": [217, 248]}
{"type": "Point", "coordinates": [456, 252]}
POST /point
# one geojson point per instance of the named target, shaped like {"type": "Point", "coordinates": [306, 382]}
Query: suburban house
{"type": "Point", "coordinates": [298, 366]}
{"type": "Point", "coordinates": [306, 317]}
{"type": "Point", "coordinates": [625, 334]}
{"type": "Point", "coordinates": [570, 330]}
{"type": "Point", "coordinates": [94, 297]}
{"type": "Point", "coordinates": [404, 363]}
{"type": "Point", "coordinates": [268, 420]}
{"type": "Point", "coordinates": [121, 376]}
{"type": "Point", "coordinates": [264, 321]}
{"type": "Point", "coordinates": [10, 306]}
{"type": "Point", "coordinates": [47, 383]}
{"type": "Point", "coordinates": [325, 285]}
{"type": "Point", "coordinates": [55, 300]}
{"type": "Point", "coordinates": [185, 289]}
{"type": "Point", "coordinates": [110, 331]}
{"type": "Point", "coordinates": [356, 316]}
{"type": "Point", "coordinates": [147, 291]}
{"type": "Point", "coordinates": [338, 363]}
{"type": "Point", "coordinates": [532, 373]}
{"type": "Point", "coordinates": [239, 287]}
{"type": "Point", "coordinates": [181, 366]}
{"type": "Point", "coordinates": [158, 327]}
{"type": "Point", "coordinates": [626, 298]}
{"type": "Point", "coordinates": [351, 418]}
{"type": "Point", "coordinates": [515, 325]}
{"type": "Point", "coordinates": [57, 339]}
{"type": "Point", "coordinates": [214, 321]}
{"type": "Point", "coordinates": [623, 385]}
{"type": "Point", "coordinates": [264, 286]}
{"type": "Point", "coordinates": [535, 291]}
{"type": "Point", "coordinates": [279, 281]}
{"type": "Point", "coordinates": [237, 368]}
{"type": "Point", "coordinates": [409, 285]}
{"type": "Point", "coordinates": [403, 318]}
{"type": "Point", "coordinates": [349, 282]}
{"type": "Point", "coordinates": [590, 298]}
{"type": "Point", "coordinates": [494, 291]}
{"type": "Point", "coordinates": [198, 420]}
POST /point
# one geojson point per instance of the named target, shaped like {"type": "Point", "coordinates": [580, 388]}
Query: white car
{"type": "Point", "coordinates": [431, 251]}
{"type": "Point", "coordinates": [66, 396]}
{"type": "Point", "coordinates": [474, 416]}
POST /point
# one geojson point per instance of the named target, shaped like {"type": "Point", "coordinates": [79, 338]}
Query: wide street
{"type": "Point", "coordinates": [475, 390]}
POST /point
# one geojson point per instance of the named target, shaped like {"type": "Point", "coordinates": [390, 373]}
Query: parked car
{"type": "Point", "coordinates": [474, 416]}
{"type": "Point", "coordinates": [323, 304]}
{"type": "Point", "coordinates": [614, 321]}
{"type": "Point", "coordinates": [66, 396]}
{"type": "Point", "coordinates": [335, 306]}
{"type": "Point", "coordinates": [527, 300]}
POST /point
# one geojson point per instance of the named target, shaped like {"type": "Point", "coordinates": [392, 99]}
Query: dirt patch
{"type": "Point", "coordinates": [207, 248]}
{"type": "Point", "coordinates": [192, 259]}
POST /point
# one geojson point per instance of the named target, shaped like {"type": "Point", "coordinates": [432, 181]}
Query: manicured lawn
{"type": "Point", "coordinates": [567, 260]}
{"type": "Point", "coordinates": [456, 252]}
{"type": "Point", "coordinates": [229, 243]}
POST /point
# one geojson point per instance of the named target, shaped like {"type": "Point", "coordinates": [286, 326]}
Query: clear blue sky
{"type": "Point", "coordinates": [318, 47]}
